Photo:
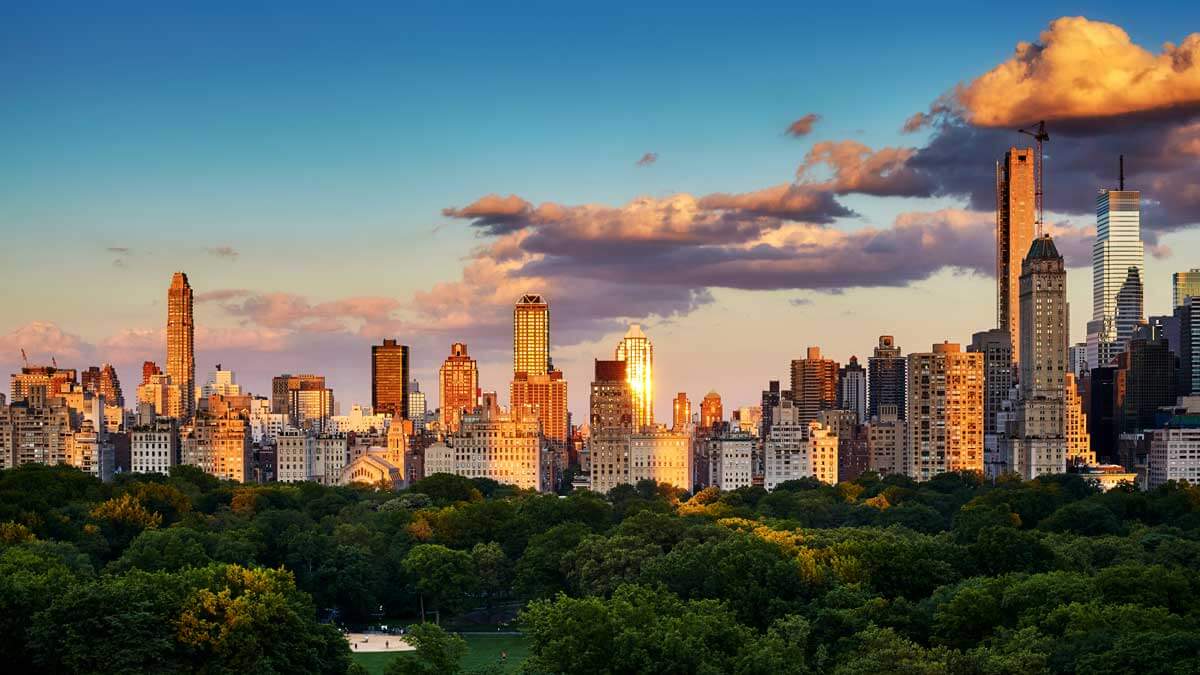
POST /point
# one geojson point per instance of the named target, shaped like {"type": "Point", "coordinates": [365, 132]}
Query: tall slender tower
{"type": "Point", "coordinates": [1044, 340]}
{"type": "Point", "coordinates": [531, 335]}
{"type": "Point", "coordinates": [814, 385]}
{"type": "Point", "coordinates": [1015, 216]}
{"type": "Point", "coordinates": [1118, 247]}
{"type": "Point", "coordinates": [181, 348]}
{"type": "Point", "coordinates": [637, 352]}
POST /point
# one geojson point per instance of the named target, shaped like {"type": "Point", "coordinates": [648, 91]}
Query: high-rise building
{"type": "Point", "coordinates": [1015, 217]}
{"type": "Point", "coordinates": [531, 335]}
{"type": "Point", "coordinates": [545, 396]}
{"type": "Point", "coordinates": [772, 397]}
{"type": "Point", "coordinates": [998, 379]}
{"type": "Point", "coordinates": [162, 395]}
{"type": "Point", "coordinates": [1118, 247]}
{"type": "Point", "coordinates": [886, 378]}
{"type": "Point", "coordinates": [945, 412]}
{"type": "Point", "coordinates": [1184, 285]}
{"type": "Point", "coordinates": [712, 413]}
{"type": "Point", "coordinates": [1038, 444]}
{"type": "Point", "coordinates": [814, 385]}
{"type": "Point", "coordinates": [305, 399]}
{"type": "Point", "coordinates": [886, 435]}
{"type": "Point", "coordinates": [149, 368]}
{"type": "Point", "coordinates": [852, 389]}
{"type": "Point", "coordinates": [459, 387]}
{"type": "Point", "coordinates": [1188, 315]}
{"type": "Point", "coordinates": [611, 424]}
{"type": "Point", "coordinates": [636, 350]}
{"type": "Point", "coordinates": [389, 378]}
{"type": "Point", "coordinates": [154, 448]}
{"type": "Point", "coordinates": [731, 460]}
{"type": "Point", "coordinates": [181, 347]}
{"type": "Point", "coordinates": [681, 412]}
{"type": "Point", "coordinates": [1145, 382]}
{"type": "Point", "coordinates": [1130, 313]}
{"type": "Point", "coordinates": [221, 383]}
{"type": "Point", "coordinates": [40, 384]}
{"type": "Point", "coordinates": [1174, 444]}
{"type": "Point", "coordinates": [784, 456]}
{"type": "Point", "coordinates": [416, 406]}
{"type": "Point", "coordinates": [852, 452]}
{"type": "Point", "coordinates": [1079, 442]}
{"type": "Point", "coordinates": [103, 381]}
{"type": "Point", "coordinates": [661, 456]}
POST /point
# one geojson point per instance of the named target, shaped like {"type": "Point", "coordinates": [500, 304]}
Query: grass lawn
{"type": "Point", "coordinates": [482, 650]}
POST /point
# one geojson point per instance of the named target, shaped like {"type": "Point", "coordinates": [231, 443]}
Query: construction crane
{"type": "Point", "coordinates": [24, 358]}
{"type": "Point", "coordinates": [1039, 134]}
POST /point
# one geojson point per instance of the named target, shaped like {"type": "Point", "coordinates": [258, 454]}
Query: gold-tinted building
{"type": "Point", "coordinates": [531, 335]}
{"type": "Point", "coordinates": [1015, 217]}
{"type": "Point", "coordinates": [1079, 441]}
{"type": "Point", "coordinates": [181, 348]}
{"type": "Point", "coordinates": [945, 412]}
{"type": "Point", "coordinates": [389, 379]}
{"type": "Point", "coordinates": [459, 387]}
{"type": "Point", "coordinates": [814, 385]}
{"type": "Point", "coordinates": [711, 410]}
{"type": "Point", "coordinates": [546, 396]}
{"type": "Point", "coordinates": [681, 412]}
{"type": "Point", "coordinates": [636, 350]}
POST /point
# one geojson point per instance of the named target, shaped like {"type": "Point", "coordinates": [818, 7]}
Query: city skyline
{"type": "Point", "coordinates": [880, 197]}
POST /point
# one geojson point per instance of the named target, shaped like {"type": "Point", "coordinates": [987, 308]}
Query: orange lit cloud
{"type": "Point", "coordinates": [803, 126]}
{"type": "Point", "coordinates": [1081, 68]}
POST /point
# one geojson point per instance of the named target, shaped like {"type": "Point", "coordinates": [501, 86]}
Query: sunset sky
{"type": "Point", "coordinates": [743, 180]}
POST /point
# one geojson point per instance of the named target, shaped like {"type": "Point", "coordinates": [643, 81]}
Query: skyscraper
{"type": "Point", "coordinates": [416, 406]}
{"type": "Point", "coordinates": [305, 399]}
{"type": "Point", "coordinates": [636, 350]}
{"type": "Point", "coordinates": [1184, 285]}
{"type": "Point", "coordinates": [1189, 345]}
{"type": "Point", "coordinates": [389, 379]}
{"type": "Point", "coordinates": [545, 395]}
{"type": "Point", "coordinates": [1015, 217]}
{"type": "Point", "coordinates": [681, 412]}
{"type": "Point", "coordinates": [852, 389]}
{"type": "Point", "coordinates": [459, 387]}
{"type": "Point", "coordinates": [103, 380]}
{"type": "Point", "coordinates": [181, 348]}
{"type": "Point", "coordinates": [531, 335]}
{"type": "Point", "coordinates": [1041, 422]}
{"type": "Point", "coordinates": [1130, 313]}
{"type": "Point", "coordinates": [945, 412]}
{"type": "Point", "coordinates": [1118, 247]}
{"type": "Point", "coordinates": [814, 385]}
{"type": "Point", "coordinates": [886, 378]}
{"type": "Point", "coordinates": [996, 348]}
{"type": "Point", "coordinates": [611, 422]}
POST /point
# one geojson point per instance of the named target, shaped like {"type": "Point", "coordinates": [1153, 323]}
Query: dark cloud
{"type": "Point", "coordinates": [227, 252]}
{"type": "Point", "coordinates": [647, 159]}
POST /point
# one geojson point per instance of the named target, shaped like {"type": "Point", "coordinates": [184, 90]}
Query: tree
{"type": "Point", "coordinates": [443, 575]}
{"type": "Point", "coordinates": [445, 488]}
{"type": "Point", "coordinates": [437, 652]}
{"type": "Point", "coordinates": [171, 549]}
{"type": "Point", "coordinates": [881, 650]}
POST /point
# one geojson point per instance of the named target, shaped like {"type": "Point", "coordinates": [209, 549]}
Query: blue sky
{"type": "Point", "coordinates": [322, 142]}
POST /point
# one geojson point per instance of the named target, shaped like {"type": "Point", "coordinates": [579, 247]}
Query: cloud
{"type": "Point", "coordinates": [856, 168]}
{"type": "Point", "coordinates": [288, 311]}
{"type": "Point", "coordinates": [227, 252]}
{"type": "Point", "coordinates": [222, 295]}
{"type": "Point", "coordinates": [119, 250]}
{"type": "Point", "coordinates": [493, 213]}
{"type": "Point", "coordinates": [42, 340]}
{"type": "Point", "coordinates": [800, 302]}
{"type": "Point", "coordinates": [1084, 70]}
{"type": "Point", "coordinates": [803, 126]}
{"type": "Point", "coordinates": [647, 159]}
{"type": "Point", "coordinates": [120, 253]}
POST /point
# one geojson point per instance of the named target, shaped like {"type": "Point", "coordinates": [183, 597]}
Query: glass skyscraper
{"type": "Point", "coordinates": [637, 352]}
{"type": "Point", "coordinates": [1118, 247]}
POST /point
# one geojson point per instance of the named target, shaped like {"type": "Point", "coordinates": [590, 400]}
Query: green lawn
{"type": "Point", "coordinates": [482, 650]}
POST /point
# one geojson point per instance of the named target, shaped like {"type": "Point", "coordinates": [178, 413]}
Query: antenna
{"type": "Point", "coordinates": [1122, 183]}
{"type": "Point", "coordinates": [1039, 134]}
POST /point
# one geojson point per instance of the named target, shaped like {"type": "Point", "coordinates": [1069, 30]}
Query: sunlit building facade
{"type": "Point", "coordinates": [1015, 218]}
{"type": "Point", "coordinates": [945, 412]}
{"type": "Point", "coordinates": [458, 386]}
{"type": "Point", "coordinates": [636, 350]}
{"type": "Point", "coordinates": [1118, 247]}
{"type": "Point", "coordinates": [181, 348]}
{"type": "Point", "coordinates": [389, 378]}
{"type": "Point", "coordinates": [531, 335]}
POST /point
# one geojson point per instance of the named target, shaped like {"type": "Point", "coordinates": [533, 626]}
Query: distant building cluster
{"type": "Point", "coordinates": [1123, 406]}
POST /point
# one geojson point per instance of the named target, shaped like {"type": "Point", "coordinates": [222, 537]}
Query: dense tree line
{"type": "Point", "coordinates": [954, 575]}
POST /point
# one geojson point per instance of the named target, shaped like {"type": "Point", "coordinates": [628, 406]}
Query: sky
{"type": "Point", "coordinates": [743, 180]}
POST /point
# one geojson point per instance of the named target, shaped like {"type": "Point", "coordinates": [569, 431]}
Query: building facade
{"type": "Point", "coordinates": [531, 335]}
{"type": "Point", "coordinates": [636, 350]}
{"type": "Point", "coordinates": [945, 412]}
{"type": "Point", "coordinates": [181, 348]}
{"type": "Point", "coordinates": [1015, 218]}
{"type": "Point", "coordinates": [389, 378]}
{"type": "Point", "coordinates": [814, 384]}
{"type": "Point", "coordinates": [1118, 246]}
{"type": "Point", "coordinates": [458, 382]}
{"type": "Point", "coordinates": [887, 378]}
